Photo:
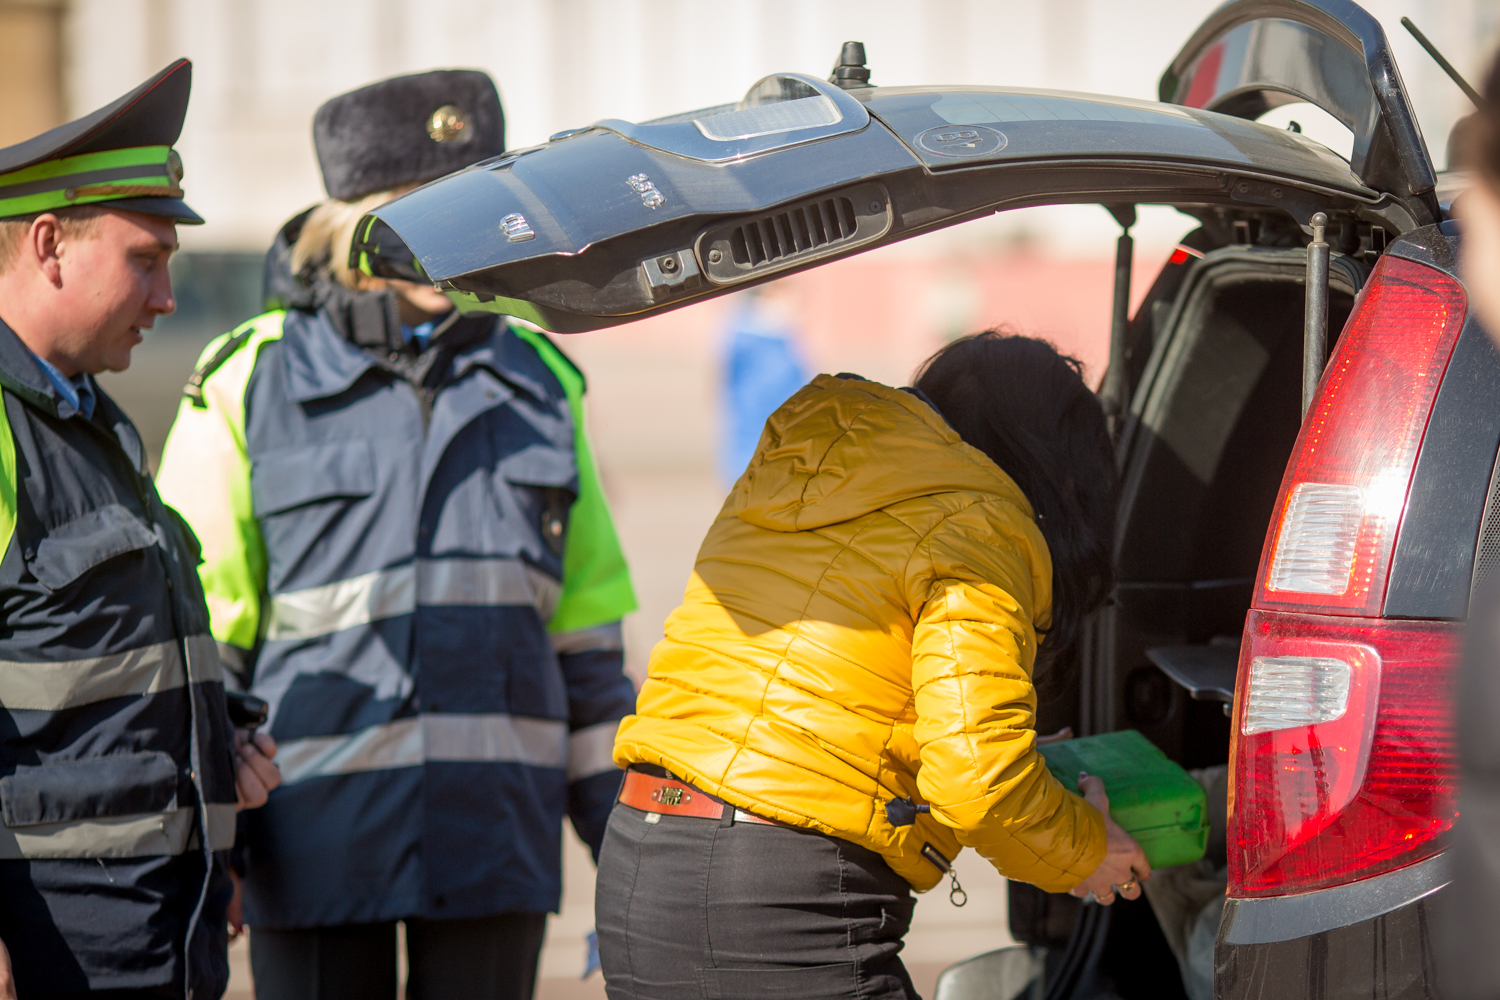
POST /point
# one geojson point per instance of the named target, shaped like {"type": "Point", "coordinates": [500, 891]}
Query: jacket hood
{"type": "Point", "coordinates": [843, 447]}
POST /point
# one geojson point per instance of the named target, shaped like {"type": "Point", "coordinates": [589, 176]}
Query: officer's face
{"type": "Point", "coordinates": [116, 283]}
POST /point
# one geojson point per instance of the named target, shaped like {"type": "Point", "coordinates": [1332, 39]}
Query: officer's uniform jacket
{"type": "Point", "coordinates": [113, 728]}
{"type": "Point", "coordinates": [412, 558]}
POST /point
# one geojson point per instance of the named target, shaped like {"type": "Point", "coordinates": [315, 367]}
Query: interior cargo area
{"type": "Point", "coordinates": [1216, 354]}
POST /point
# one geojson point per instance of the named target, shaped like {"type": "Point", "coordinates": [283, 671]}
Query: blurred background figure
{"type": "Point", "coordinates": [763, 366]}
{"type": "Point", "coordinates": [1469, 934]}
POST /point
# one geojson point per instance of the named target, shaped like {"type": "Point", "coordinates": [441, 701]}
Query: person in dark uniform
{"type": "Point", "coordinates": [120, 772]}
{"type": "Point", "coordinates": [408, 555]}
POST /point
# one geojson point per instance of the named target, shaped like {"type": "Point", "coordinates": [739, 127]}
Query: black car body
{"type": "Point", "coordinates": [1317, 572]}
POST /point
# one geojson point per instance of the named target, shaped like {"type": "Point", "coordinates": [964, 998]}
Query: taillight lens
{"type": "Point", "coordinates": [1343, 750]}
{"type": "Point", "coordinates": [1344, 492]}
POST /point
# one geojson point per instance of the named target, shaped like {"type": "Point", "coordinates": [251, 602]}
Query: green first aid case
{"type": "Point", "coordinates": [1153, 799]}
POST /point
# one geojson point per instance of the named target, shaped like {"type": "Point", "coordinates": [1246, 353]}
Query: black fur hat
{"type": "Point", "coordinates": [407, 130]}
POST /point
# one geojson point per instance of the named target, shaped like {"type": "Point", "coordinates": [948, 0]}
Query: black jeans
{"type": "Point", "coordinates": [718, 910]}
{"type": "Point", "coordinates": [487, 958]}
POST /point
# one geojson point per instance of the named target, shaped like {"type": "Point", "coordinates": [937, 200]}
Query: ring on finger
{"type": "Point", "coordinates": [1127, 886]}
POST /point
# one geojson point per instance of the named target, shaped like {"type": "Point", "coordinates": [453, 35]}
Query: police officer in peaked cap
{"type": "Point", "coordinates": [120, 772]}
{"type": "Point", "coordinates": [408, 555]}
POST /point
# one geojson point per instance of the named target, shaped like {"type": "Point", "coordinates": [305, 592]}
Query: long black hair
{"type": "Point", "coordinates": [1025, 405]}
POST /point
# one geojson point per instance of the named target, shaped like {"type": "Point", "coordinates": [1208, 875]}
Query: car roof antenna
{"type": "Point", "coordinates": [1447, 66]}
{"type": "Point", "coordinates": [850, 72]}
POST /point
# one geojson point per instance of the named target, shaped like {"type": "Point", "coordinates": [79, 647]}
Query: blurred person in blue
{"type": "Point", "coordinates": [762, 368]}
{"type": "Point", "coordinates": [407, 553]}
{"type": "Point", "coordinates": [120, 770]}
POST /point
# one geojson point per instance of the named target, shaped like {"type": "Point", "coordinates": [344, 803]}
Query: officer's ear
{"type": "Point", "coordinates": [42, 247]}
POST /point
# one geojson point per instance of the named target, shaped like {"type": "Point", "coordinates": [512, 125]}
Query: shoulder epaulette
{"type": "Point", "coordinates": [194, 388]}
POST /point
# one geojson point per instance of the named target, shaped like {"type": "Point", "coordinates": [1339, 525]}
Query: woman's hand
{"type": "Point", "coordinates": [1124, 867]}
{"type": "Point", "coordinates": [255, 774]}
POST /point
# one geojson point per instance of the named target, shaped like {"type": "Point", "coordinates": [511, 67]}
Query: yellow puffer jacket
{"type": "Point", "coordinates": [861, 626]}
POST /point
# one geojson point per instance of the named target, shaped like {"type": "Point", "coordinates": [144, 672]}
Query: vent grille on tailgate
{"type": "Point", "coordinates": [794, 234]}
{"type": "Point", "coordinates": [798, 229]}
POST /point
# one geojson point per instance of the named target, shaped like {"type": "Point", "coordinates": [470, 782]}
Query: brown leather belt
{"type": "Point", "coordinates": [670, 797]}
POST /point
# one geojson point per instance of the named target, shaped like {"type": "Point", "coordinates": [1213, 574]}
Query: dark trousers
{"type": "Point", "coordinates": [488, 958]}
{"type": "Point", "coordinates": [717, 910]}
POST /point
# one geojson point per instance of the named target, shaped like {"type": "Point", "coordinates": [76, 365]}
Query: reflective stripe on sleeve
{"type": "Point", "coordinates": [591, 750]}
{"type": "Point", "coordinates": [388, 593]}
{"type": "Point", "coordinates": [55, 685]}
{"type": "Point", "coordinates": [494, 738]}
{"type": "Point", "coordinates": [599, 639]}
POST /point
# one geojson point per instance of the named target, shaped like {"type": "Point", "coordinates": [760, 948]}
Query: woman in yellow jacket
{"type": "Point", "coordinates": [844, 699]}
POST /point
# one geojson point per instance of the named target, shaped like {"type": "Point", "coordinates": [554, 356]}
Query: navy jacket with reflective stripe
{"type": "Point", "coordinates": [113, 727]}
{"type": "Point", "coordinates": [412, 517]}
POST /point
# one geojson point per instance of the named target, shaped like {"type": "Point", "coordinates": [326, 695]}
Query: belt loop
{"type": "Point", "coordinates": [727, 820]}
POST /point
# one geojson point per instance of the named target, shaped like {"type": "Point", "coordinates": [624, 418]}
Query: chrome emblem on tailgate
{"type": "Point", "coordinates": [962, 140]}
{"type": "Point", "coordinates": [516, 228]}
{"type": "Point", "coordinates": [651, 196]}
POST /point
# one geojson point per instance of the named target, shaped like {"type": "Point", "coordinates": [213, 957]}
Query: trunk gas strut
{"type": "Point", "coordinates": [1315, 319]}
{"type": "Point", "coordinates": [1116, 388]}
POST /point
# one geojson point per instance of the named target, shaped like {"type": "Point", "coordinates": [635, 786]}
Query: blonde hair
{"type": "Point", "coordinates": [328, 232]}
{"type": "Point", "coordinates": [76, 221]}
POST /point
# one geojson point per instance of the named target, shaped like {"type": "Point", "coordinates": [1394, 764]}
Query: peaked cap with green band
{"type": "Point", "coordinates": [120, 155]}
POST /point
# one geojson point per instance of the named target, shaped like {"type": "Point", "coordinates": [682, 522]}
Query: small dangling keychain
{"type": "Point", "coordinates": [956, 894]}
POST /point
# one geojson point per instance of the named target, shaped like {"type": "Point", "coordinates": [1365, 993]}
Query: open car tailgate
{"type": "Point", "coordinates": [616, 221]}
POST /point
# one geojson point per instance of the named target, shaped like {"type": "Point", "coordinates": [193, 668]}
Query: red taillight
{"type": "Point", "coordinates": [1341, 754]}
{"type": "Point", "coordinates": [1345, 489]}
{"type": "Point", "coordinates": [1333, 786]}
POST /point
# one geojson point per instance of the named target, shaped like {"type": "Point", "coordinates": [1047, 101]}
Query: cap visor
{"type": "Point", "coordinates": [172, 208]}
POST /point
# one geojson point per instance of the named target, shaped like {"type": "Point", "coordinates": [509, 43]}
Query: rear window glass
{"type": "Point", "coordinates": [982, 109]}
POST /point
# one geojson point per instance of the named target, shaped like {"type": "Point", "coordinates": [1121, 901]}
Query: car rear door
{"type": "Point", "coordinates": [616, 221]}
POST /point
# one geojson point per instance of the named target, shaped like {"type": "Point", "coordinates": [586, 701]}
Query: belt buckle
{"type": "Point", "coordinates": [669, 796]}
